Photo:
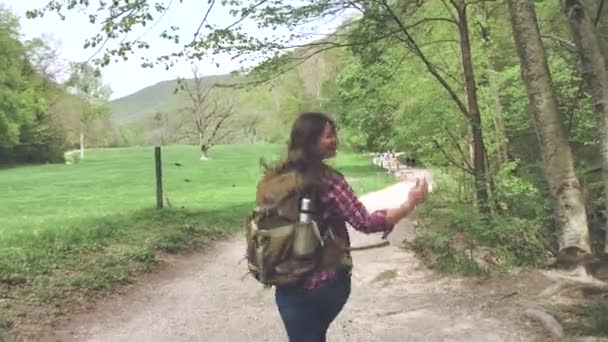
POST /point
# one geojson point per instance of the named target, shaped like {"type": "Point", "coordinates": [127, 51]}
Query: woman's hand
{"type": "Point", "coordinates": [418, 193]}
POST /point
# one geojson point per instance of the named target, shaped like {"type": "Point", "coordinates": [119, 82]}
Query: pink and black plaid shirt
{"type": "Point", "coordinates": [339, 205]}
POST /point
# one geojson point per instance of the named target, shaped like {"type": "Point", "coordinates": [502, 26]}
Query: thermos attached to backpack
{"type": "Point", "coordinates": [305, 210]}
{"type": "Point", "coordinates": [307, 237]}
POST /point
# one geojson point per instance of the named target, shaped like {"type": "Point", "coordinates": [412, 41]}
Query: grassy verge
{"type": "Point", "coordinates": [590, 319]}
{"type": "Point", "coordinates": [71, 233]}
{"type": "Point", "coordinates": [455, 239]}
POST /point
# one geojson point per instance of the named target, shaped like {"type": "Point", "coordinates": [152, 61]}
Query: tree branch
{"type": "Point", "coordinates": [228, 113]}
{"type": "Point", "coordinates": [197, 95]}
{"type": "Point", "coordinates": [568, 45]}
{"type": "Point", "coordinates": [457, 145]}
{"type": "Point", "coordinates": [447, 7]}
{"type": "Point", "coordinates": [355, 6]}
{"type": "Point", "coordinates": [575, 102]}
{"type": "Point", "coordinates": [450, 159]}
{"type": "Point", "coordinates": [198, 30]}
{"type": "Point", "coordinates": [339, 44]}
{"type": "Point", "coordinates": [475, 2]}
{"type": "Point", "coordinates": [426, 20]}
{"type": "Point", "coordinates": [204, 112]}
{"type": "Point", "coordinates": [105, 41]}
{"type": "Point", "coordinates": [156, 22]}
{"type": "Point", "coordinates": [246, 14]}
{"type": "Point", "coordinates": [412, 43]}
{"type": "Point", "coordinates": [208, 116]}
{"type": "Point", "coordinates": [223, 136]}
{"type": "Point", "coordinates": [447, 74]}
{"type": "Point", "coordinates": [598, 15]}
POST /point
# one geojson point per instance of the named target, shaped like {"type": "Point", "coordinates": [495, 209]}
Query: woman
{"type": "Point", "coordinates": [308, 307]}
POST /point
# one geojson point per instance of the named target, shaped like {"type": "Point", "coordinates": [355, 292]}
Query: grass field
{"type": "Point", "coordinates": [67, 232]}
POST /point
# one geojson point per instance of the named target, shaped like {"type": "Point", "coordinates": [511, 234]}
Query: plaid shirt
{"type": "Point", "coordinates": [339, 205]}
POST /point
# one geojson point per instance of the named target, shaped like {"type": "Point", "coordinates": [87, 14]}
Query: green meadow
{"type": "Point", "coordinates": [67, 232]}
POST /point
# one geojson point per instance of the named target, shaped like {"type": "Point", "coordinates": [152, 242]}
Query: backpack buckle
{"type": "Point", "coordinates": [329, 234]}
{"type": "Point", "coordinates": [317, 232]}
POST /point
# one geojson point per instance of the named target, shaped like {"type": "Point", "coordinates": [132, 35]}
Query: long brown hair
{"type": "Point", "coordinates": [302, 154]}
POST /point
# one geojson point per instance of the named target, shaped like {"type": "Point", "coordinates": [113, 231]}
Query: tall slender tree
{"type": "Point", "coordinates": [593, 70]}
{"type": "Point", "coordinates": [87, 84]}
{"type": "Point", "coordinates": [558, 163]}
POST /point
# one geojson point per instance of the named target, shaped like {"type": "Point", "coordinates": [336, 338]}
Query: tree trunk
{"type": "Point", "coordinates": [254, 135]}
{"type": "Point", "coordinates": [556, 153]}
{"type": "Point", "coordinates": [81, 140]}
{"type": "Point", "coordinates": [499, 122]}
{"type": "Point", "coordinates": [594, 74]}
{"type": "Point", "coordinates": [502, 154]}
{"type": "Point", "coordinates": [204, 152]}
{"type": "Point", "coordinates": [471, 156]}
{"type": "Point", "coordinates": [204, 148]}
{"type": "Point", "coordinates": [479, 149]}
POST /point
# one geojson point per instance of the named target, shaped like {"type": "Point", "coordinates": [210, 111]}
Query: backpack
{"type": "Point", "coordinates": [281, 250]}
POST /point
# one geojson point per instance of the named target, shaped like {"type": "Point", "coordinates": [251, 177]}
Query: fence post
{"type": "Point", "coordinates": [159, 178]}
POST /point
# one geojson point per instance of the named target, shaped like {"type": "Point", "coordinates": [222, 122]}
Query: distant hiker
{"type": "Point", "coordinates": [297, 239]}
{"type": "Point", "coordinates": [389, 162]}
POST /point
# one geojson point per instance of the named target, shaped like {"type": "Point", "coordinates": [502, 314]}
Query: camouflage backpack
{"type": "Point", "coordinates": [281, 249]}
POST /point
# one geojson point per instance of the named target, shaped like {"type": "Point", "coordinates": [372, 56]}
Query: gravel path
{"type": "Point", "coordinates": [201, 297]}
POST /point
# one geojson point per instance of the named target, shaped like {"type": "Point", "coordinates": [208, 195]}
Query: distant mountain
{"type": "Point", "coordinates": [152, 99]}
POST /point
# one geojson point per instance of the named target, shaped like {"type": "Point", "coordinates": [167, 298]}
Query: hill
{"type": "Point", "coordinates": [261, 111]}
{"type": "Point", "coordinates": [158, 97]}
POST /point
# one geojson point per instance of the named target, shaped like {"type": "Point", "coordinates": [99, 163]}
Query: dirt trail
{"type": "Point", "coordinates": [395, 298]}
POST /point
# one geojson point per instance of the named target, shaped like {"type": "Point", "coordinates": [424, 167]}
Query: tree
{"type": "Point", "coordinates": [486, 25]}
{"type": "Point", "coordinates": [13, 90]}
{"type": "Point", "coordinates": [593, 70]}
{"type": "Point", "coordinates": [558, 164]}
{"type": "Point", "coordinates": [43, 54]}
{"type": "Point", "coordinates": [366, 105]}
{"type": "Point", "coordinates": [26, 132]}
{"type": "Point", "coordinates": [473, 113]}
{"type": "Point", "coordinates": [85, 83]}
{"type": "Point", "coordinates": [160, 127]}
{"type": "Point", "coordinates": [379, 22]}
{"type": "Point", "coordinates": [205, 116]}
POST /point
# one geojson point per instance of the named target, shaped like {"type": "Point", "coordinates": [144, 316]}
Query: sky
{"type": "Point", "coordinates": [124, 77]}
{"type": "Point", "coordinates": [127, 77]}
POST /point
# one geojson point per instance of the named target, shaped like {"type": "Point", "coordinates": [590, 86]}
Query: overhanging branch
{"type": "Point", "coordinates": [568, 45]}
{"type": "Point", "coordinates": [450, 159]}
{"type": "Point", "coordinates": [412, 44]}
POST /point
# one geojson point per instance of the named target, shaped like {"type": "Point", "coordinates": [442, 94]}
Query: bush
{"type": "Point", "coordinates": [455, 238]}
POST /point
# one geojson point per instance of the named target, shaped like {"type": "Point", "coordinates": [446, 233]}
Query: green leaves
{"type": "Point", "coordinates": [366, 105]}
{"type": "Point", "coordinates": [36, 120]}
{"type": "Point", "coordinates": [15, 99]}
{"type": "Point", "coordinates": [86, 83]}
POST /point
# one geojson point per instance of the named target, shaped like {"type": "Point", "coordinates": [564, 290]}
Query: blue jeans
{"type": "Point", "coordinates": [307, 314]}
